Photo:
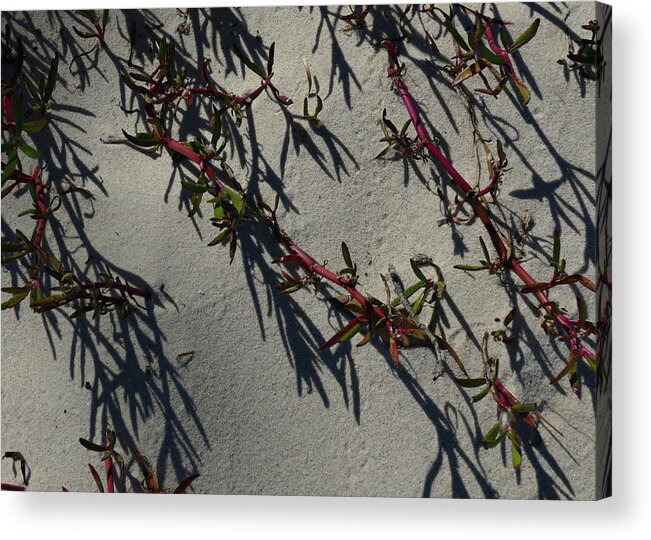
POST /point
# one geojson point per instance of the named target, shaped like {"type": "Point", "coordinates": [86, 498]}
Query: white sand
{"type": "Point", "coordinates": [258, 409]}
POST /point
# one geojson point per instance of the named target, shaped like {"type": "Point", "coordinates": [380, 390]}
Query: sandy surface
{"type": "Point", "coordinates": [257, 408]}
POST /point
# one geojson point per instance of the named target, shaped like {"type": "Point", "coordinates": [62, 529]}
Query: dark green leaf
{"type": "Point", "coordinates": [216, 129]}
{"type": "Point", "coordinates": [17, 110]}
{"type": "Point", "coordinates": [248, 63]}
{"type": "Point", "coordinates": [142, 139]}
{"type": "Point", "coordinates": [270, 59]}
{"type": "Point", "coordinates": [388, 123]}
{"type": "Point", "coordinates": [524, 408]}
{"type": "Point", "coordinates": [449, 24]}
{"type": "Point", "coordinates": [81, 34]}
{"type": "Point", "coordinates": [162, 52]}
{"type": "Point", "coordinates": [556, 253]}
{"type": "Point", "coordinates": [346, 255]}
{"type": "Point", "coordinates": [481, 395]}
{"type": "Point", "coordinates": [12, 247]}
{"type": "Point", "coordinates": [16, 299]}
{"type": "Point", "coordinates": [417, 271]}
{"type": "Point", "coordinates": [516, 448]}
{"type": "Point", "coordinates": [220, 237]}
{"type": "Point", "coordinates": [491, 436]}
{"type": "Point", "coordinates": [92, 446]}
{"type": "Point", "coordinates": [526, 36]}
{"type": "Point", "coordinates": [522, 89]}
{"type": "Point", "coordinates": [51, 78]}
{"type": "Point", "coordinates": [34, 126]}
{"type": "Point", "coordinates": [470, 383]}
{"type": "Point", "coordinates": [31, 88]}
{"type": "Point", "coordinates": [469, 268]}
{"type": "Point", "coordinates": [13, 257]}
{"type": "Point", "coordinates": [194, 187]}
{"type": "Point", "coordinates": [100, 487]}
{"type": "Point", "coordinates": [484, 249]}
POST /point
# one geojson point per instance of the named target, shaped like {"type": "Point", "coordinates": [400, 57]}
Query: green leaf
{"type": "Point", "coordinates": [13, 257]}
{"type": "Point", "coordinates": [270, 59]}
{"type": "Point", "coordinates": [135, 87]}
{"type": "Point", "coordinates": [142, 77]}
{"type": "Point", "coordinates": [351, 333]}
{"type": "Point", "coordinates": [29, 151]}
{"type": "Point", "coordinates": [92, 446]}
{"type": "Point", "coordinates": [470, 383]}
{"type": "Point", "coordinates": [248, 63]}
{"type": "Point", "coordinates": [388, 123]}
{"type": "Point", "coordinates": [162, 52]}
{"type": "Point", "coordinates": [484, 249]}
{"type": "Point", "coordinates": [17, 110]}
{"type": "Point", "coordinates": [27, 212]}
{"type": "Point", "coordinates": [34, 126]}
{"type": "Point", "coordinates": [216, 129]}
{"type": "Point", "coordinates": [220, 237]}
{"type": "Point", "coordinates": [16, 299]}
{"type": "Point", "coordinates": [194, 187]}
{"type": "Point", "coordinates": [31, 88]}
{"type": "Point", "coordinates": [10, 167]}
{"type": "Point", "coordinates": [100, 487]}
{"type": "Point", "coordinates": [524, 408]}
{"type": "Point", "coordinates": [481, 395]}
{"type": "Point", "coordinates": [516, 448]}
{"type": "Point", "coordinates": [526, 36]}
{"type": "Point", "coordinates": [346, 255]}
{"type": "Point", "coordinates": [12, 247]}
{"type": "Point", "coordinates": [571, 364]}
{"type": "Point", "coordinates": [417, 271]}
{"type": "Point", "coordinates": [40, 82]}
{"type": "Point", "coordinates": [556, 252]}
{"type": "Point", "coordinates": [319, 106]}
{"type": "Point", "coordinates": [524, 91]}
{"type": "Point", "coordinates": [469, 268]}
{"type": "Point", "coordinates": [452, 29]}
{"type": "Point", "coordinates": [492, 436]}
{"type": "Point", "coordinates": [143, 139]}
{"type": "Point", "coordinates": [51, 78]}
{"type": "Point", "coordinates": [341, 334]}
{"type": "Point", "coordinates": [489, 55]}
{"type": "Point", "coordinates": [84, 35]}
{"type": "Point", "coordinates": [479, 30]}
{"type": "Point", "coordinates": [418, 304]}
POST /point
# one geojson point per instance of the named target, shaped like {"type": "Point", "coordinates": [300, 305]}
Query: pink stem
{"type": "Point", "coordinates": [481, 211]}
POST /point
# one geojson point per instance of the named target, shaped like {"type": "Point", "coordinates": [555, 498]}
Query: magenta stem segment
{"type": "Point", "coordinates": [504, 257]}
{"type": "Point", "coordinates": [305, 261]}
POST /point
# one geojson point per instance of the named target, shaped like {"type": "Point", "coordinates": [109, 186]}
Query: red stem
{"type": "Point", "coordinates": [137, 291]}
{"type": "Point", "coordinates": [472, 197]}
{"type": "Point", "coordinates": [309, 264]}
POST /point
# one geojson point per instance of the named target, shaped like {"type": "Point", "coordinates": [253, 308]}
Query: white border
{"type": "Point", "coordinates": [626, 515]}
